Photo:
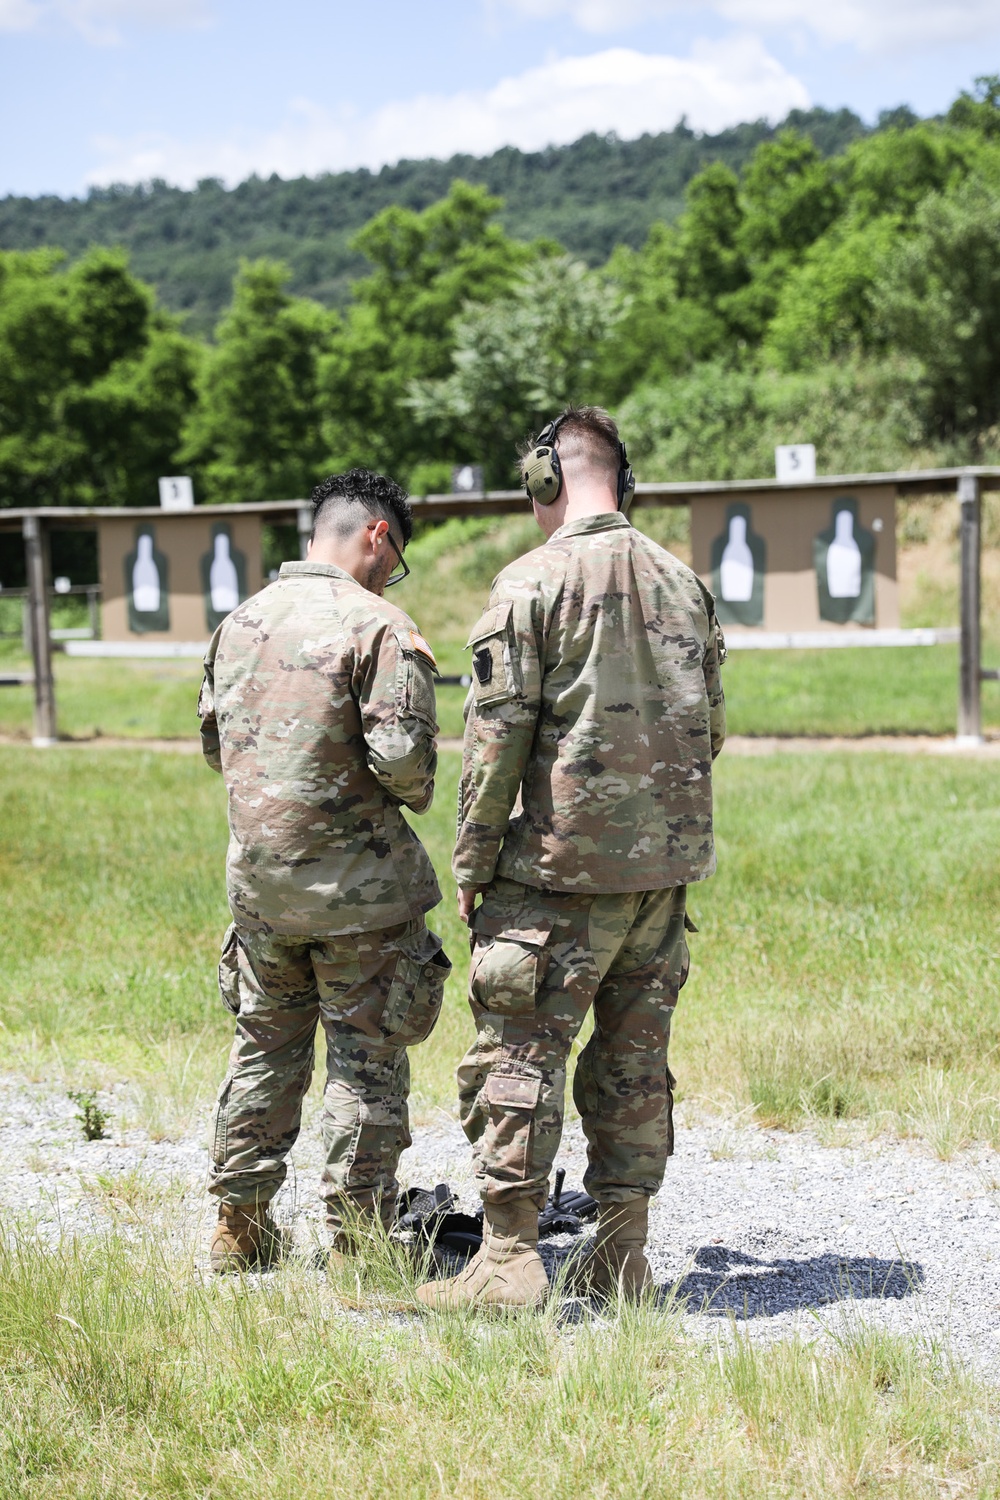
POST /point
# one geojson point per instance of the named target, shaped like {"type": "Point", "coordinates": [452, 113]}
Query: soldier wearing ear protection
{"type": "Point", "coordinates": [596, 704]}
{"type": "Point", "coordinates": [541, 469]}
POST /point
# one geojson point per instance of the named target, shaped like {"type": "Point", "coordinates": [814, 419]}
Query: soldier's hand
{"type": "Point", "coordinates": [467, 900]}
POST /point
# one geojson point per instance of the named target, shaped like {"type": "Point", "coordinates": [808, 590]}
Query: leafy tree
{"type": "Point", "coordinates": [790, 196]}
{"type": "Point", "coordinates": [672, 288]}
{"type": "Point", "coordinates": [720, 422]}
{"type": "Point", "coordinates": [426, 268]}
{"type": "Point", "coordinates": [658, 333]}
{"type": "Point", "coordinates": [95, 383]}
{"type": "Point", "coordinates": [826, 305]}
{"type": "Point", "coordinates": [889, 173]}
{"type": "Point", "coordinates": [257, 431]}
{"type": "Point", "coordinates": [938, 299]}
{"type": "Point", "coordinates": [517, 361]}
{"type": "Point", "coordinates": [711, 261]}
{"type": "Point", "coordinates": [979, 111]}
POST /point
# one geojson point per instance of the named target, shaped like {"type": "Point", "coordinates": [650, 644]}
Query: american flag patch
{"type": "Point", "coordinates": [419, 644]}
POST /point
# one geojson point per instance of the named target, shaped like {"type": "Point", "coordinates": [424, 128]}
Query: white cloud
{"type": "Point", "coordinates": [17, 15]}
{"type": "Point", "coordinates": [100, 21]}
{"type": "Point", "coordinates": [869, 25]}
{"type": "Point", "coordinates": [720, 84]}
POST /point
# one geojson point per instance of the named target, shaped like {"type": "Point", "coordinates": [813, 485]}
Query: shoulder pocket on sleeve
{"type": "Point", "coordinates": [496, 672]}
{"type": "Point", "coordinates": [414, 679]}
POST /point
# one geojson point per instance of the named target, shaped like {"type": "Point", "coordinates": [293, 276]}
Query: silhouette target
{"type": "Point", "coordinates": [223, 576]}
{"type": "Point", "coordinates": [739, 563]}
{"type": "Point", "coordinates": [147, 584]}
{"type": "Point", "coordinates": [844, 557]}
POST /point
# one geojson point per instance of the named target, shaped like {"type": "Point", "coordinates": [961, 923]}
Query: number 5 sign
{"type": "Point", "coordinates": [795, 462]}
{"type": "Point", "coordinates": [177, 493]}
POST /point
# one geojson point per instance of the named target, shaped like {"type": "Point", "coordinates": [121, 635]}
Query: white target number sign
{"type": "Point", "coordinates": [794, 462]}
{"type": "Point", "coordinates": [177, 493]}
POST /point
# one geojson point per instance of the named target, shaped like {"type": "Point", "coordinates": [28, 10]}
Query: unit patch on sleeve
{"type": "Point", "coordinates": [496, 674]}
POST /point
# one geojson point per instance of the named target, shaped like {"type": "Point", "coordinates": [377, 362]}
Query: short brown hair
{"type": "Point", "coordinates": [588, 435]}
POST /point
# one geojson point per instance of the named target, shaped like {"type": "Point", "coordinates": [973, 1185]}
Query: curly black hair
{"type": "Point", "coordinates": [335, 503]}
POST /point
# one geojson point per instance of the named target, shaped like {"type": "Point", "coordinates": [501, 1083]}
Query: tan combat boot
{"type": "Point", "coordinates": [616, 1260]}
{"type": "Point", "coordinates": [244, 1238]}
{"type": "Point", "coordinates": [507, 1271]}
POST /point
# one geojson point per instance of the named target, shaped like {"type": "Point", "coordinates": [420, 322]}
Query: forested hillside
{"type": "Point", "coordinates": [850, 299]}
{"type": "Point", "coordinates": [589, 196]}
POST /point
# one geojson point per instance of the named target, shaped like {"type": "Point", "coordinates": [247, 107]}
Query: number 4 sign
{"type": "Point", "coordinates": [795, 462]}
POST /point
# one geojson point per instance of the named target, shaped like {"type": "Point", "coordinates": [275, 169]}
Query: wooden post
{"type": "Point", "coordinates": [36, 557]}
{"type": "Point", "coordinates": [304, 515]}
{"type": "Point", "coordinates": [970, 727]}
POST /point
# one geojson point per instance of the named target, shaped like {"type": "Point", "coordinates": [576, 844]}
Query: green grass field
{"type": "Point", "coordinates": [846, 967]}
{"type": "Point", "coordinates": [871, 690]}
{"type": "Point", "coordinates": [845, 975]}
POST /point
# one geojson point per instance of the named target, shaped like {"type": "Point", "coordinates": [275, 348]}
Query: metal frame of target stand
{"type": "Point", "coordinates": [968, 484]}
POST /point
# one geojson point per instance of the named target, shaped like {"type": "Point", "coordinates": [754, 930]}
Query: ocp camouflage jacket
{"type": "Point", "coordinates": [597, 699]}
{"type": "Point", "coordinates": [318, 708]}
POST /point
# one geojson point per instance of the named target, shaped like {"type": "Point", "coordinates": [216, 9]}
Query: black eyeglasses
{"type": "Point", "coordinates": [395, 576]}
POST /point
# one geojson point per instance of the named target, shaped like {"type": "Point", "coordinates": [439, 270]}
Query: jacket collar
{"type": "Point", "coordinates": [322, 570]}
{"type": "Point", "coordinates": [613, 521]}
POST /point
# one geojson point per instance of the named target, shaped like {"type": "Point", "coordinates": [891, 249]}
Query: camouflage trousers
{"type": "Point", "coordinates": [540, 960]}
{"type": "Point", "coordinates": [375, 993]}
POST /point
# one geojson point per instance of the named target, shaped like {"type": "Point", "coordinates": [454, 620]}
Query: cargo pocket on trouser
{"type": "Point", "coordinates": [229, 971]}
{"type": "Point", "coordinates": [507, 969]}
{"type": "Point", "coordinates": [363, 1136]}
{"type": "Point", "coordinates": [414, 1000]}
{"type": "Point", "coordinates": [509, 1101]}
{"type": "Point", "coordinates": [678, 968]}
{"type": "Point", "coordinates": [220, 1127]}
{"type": "Point", "coordinates": [671, 1085]}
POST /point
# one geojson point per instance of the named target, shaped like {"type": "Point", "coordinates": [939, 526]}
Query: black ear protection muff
{"type": "Point", "coordinates": [542, 470]}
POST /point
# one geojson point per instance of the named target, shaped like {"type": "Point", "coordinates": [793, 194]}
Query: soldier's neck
{"type": "Point", "coordinates": [346, 554]}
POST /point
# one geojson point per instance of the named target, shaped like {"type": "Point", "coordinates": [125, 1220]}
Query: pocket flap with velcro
{"type": "Point", "coordinates": [496, 676]}
{"type": "Point", "coordinates": [492, 623]}
{"type": "Point", "coordinates": [513, 1090]}
{"type": "Point", "coordinates": [534, 936]}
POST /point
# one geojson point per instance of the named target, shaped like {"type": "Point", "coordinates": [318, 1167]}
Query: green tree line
{"type": "Point", "coordinates": [590, 196]}
{"type": "Point", "coordinates": [850, 299]}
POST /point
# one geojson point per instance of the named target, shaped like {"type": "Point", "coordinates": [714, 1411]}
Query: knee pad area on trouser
{"type": "Point", "coordinates": [626, 1096]}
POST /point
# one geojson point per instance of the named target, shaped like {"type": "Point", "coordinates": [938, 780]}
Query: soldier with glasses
{"type": "Point", "coordinates": [318, 709]}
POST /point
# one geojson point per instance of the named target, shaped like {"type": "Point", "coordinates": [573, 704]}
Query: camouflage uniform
{"type": "Point", "coordinates": [318, 708]}
{"type": "Point", "coordinates": [585, 811]}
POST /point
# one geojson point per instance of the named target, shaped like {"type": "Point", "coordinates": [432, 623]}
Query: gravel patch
{"type": "Point", "coordinates": [771, 1232]}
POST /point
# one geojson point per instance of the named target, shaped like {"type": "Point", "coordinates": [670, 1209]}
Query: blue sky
{"type": "Point", "coordinates": [97, 91]}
